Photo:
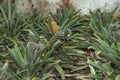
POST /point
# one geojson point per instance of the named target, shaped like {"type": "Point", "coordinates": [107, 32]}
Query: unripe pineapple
{"type": "Point", "coordinates": [58, 36]}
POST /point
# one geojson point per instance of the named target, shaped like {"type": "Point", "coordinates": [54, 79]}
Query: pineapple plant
{"type": "Point", "coordinates": [60, 46]}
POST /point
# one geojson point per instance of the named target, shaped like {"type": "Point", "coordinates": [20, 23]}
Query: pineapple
{"type": "Point", "coordinates": [58, 36]}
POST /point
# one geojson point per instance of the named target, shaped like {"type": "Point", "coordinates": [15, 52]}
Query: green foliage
{"type": "Point", "coordinates": [11, 25]}
{"type": "Point", "coordinates": [106, 43]}
{"type": "Point", "coordinates": [66, 18]}
{"type": "Point", "coordinates": [99, 20]}
{"type": "Point", "coordinates": [30, 61]}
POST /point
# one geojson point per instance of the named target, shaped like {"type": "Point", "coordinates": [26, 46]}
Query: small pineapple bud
{"type": "Point", "coordinates": [34, 45]}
